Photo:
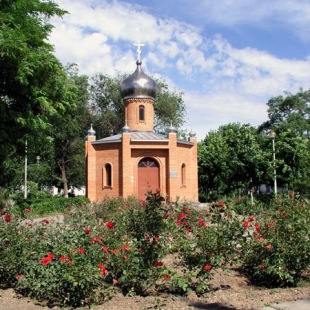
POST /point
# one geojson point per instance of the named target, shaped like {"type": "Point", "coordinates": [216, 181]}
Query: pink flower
{"type": "Point", "coordinates": [255, 233]}
{"type": "Point", "coordinates": [110, 225]}
{"type": "Point", "coordinates": [268, 247]}
{"type": "Point", "coordinates": [261, 266]}
{"type": "Point", "coordinates": [45, 221]}
{"type": "Point", "coordinates": [115, 282]}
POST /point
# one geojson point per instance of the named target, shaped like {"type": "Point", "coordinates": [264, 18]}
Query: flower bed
{"type": "Point", "coordinates": [121, 245]}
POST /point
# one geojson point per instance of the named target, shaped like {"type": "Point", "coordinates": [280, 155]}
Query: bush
{"type": "Point", "coordinates": [277, 248]}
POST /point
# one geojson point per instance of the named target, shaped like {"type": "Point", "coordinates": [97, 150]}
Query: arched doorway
{"type": "Point", "coordinates": [148, 176]}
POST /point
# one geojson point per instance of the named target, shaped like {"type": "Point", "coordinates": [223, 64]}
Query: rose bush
{"type": "Point", "coordinates": [277, 244]}
{"type": "Point", "coordinates": [121, 245]}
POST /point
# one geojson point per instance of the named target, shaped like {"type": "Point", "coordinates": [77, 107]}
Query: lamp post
{"type": "Point", "coordinates": [25, 185]}
{"type": "Point", "coordinates": [272, 135]}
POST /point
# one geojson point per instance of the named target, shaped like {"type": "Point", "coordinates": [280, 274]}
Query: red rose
{"type": "Point", "coordinates": [246, 224]}
{"type": "Point", "coordinates": [81, 250]}
{"type": "Point", "coordinates": [95, 239]}
{"type": "Point", "coordinates": [46, 259]}
{"type": "Point", "coordinates": [7, 217]}
{"type": "Point", "coordinates": [124, 248]}
{"type": "Point", "coordinates": [110, 225]}
{"type": "Point", "coordinates": [207, 267]}
{"type": "Point", "coordinates": [87, 230]}
{"type": "Point", "coordinates": [251, 218]}
{"type": "Point", "coordinates": [166, 277]}
{"type": "Point", "coordinates": [159, 263]}
{"type": "Point", "coordinates": [63, 258]}
{"type": "Point", "coordinates": [202, 223]}
{"type": "Point", "coordinates": [105, 249]}
{"type": "Point", "coordinates": [261, 266]}
{"type": "Point", "coordinates": [221, 204]}
{"type": "Point", "coordinates": [103, 271]}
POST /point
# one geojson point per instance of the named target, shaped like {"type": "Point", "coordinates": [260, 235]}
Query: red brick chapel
{"type": "Point", "coordinates": [139, 160]}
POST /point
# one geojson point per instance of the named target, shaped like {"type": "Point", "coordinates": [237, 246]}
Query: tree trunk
{"type": "Point", "coordinates": [64, 179]}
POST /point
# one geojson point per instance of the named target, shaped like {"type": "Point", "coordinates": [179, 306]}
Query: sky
{"type": "Point", "coordinates": [227, 57]}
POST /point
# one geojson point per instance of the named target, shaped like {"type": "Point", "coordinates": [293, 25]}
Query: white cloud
{"type": "Point", "coordinates": [221, 83]}
{"type": "Point", "coordinates": [210, 110]}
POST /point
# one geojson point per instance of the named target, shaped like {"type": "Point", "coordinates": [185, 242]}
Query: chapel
{"type": "Point", "coordinates": [138, 159]}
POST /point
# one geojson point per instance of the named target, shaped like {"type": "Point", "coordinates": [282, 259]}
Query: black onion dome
{"type": "Point", "coordinates": [138, 85]}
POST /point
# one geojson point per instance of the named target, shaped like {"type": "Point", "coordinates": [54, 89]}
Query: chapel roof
{"type": "Point", "coordinates": [139, 136]}
{"type": "Point", "coordinates": [138, 85]}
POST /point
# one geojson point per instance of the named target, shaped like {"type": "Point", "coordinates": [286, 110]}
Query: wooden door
{"type": "Point", "coordinates": [148, 176]}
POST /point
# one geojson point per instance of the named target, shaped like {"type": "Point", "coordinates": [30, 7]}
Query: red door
{"type": "Point", "coordinates": [148, 176]}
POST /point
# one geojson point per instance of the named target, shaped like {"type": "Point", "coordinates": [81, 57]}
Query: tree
{"type": "Point", "coordinates": [289, 112]}
{"type": "Point", "coordinates": [108, 108]}
{"type": "Point", "coordinates": [292, 160]}
{"type": "Point", "coordinates": [289, 118]}
{"type": "Point", "coordinates": [68, 133]}
{"type": "Point", "coordinates": [169, 106]}
{"type": "Point", "coordinates": [231, 159]}
{"type": "Point", "coordinates": [33, 84]}
{"type": "Point", "coordinates": [106, 104]}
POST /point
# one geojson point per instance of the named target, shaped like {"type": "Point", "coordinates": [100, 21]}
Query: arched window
{"type": "Point", "coordinates": [141, 113]}
{"type": "Point", "coordinates": [183, 175]}
{"type": "Point", "coordinates": [107, 175]}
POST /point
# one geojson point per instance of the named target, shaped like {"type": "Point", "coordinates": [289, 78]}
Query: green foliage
{"type": "Point", "coordinates": [232, 159]}
{"type": "Point", "coordinates": [289, 113]}
{"type": "Point", "coordinates": [40, 203]}
{"type": "Point", "coordinates": [169, 106]}
{"type": "Point", "coordinates": [292, 159]}
{"type": "Point", "coordinates": [210, 241]}
{"type": "Point", "coordinates": [33, 84]}
{"type": "Point", "coordinates": [276, 249]}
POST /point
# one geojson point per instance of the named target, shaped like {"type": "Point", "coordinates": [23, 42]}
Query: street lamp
{"type": "Point", "coordinates": [272, 135]}
{"type": "Point", "coordinates": [25, 177]}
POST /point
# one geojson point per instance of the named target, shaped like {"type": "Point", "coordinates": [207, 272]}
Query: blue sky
{"type": "Point", "coordinates": [228, 57]}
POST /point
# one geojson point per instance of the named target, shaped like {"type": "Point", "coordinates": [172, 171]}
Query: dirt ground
{"type": "Point", "coordinates": [231, 291]}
